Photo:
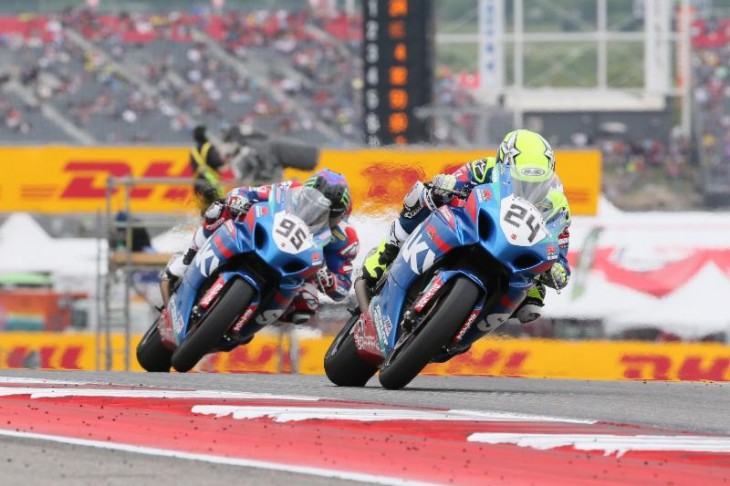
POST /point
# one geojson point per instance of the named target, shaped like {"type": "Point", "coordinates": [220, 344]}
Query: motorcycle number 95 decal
{"type": "Point", "coordinates": [291, 234]}
{"type": "Point", "coordinates": [521, 222]}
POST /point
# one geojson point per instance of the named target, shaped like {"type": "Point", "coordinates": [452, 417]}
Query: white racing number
{"type": "Point", "coordinates": [291, 234]}
{"type": "Point", "coordinates": [521, 222]}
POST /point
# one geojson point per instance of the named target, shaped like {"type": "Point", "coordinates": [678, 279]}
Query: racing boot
{"type": "Point", "coordinates": [303, 306]}
{"type": "Point", "coordinates": [531, 308]}
{"type": "Point", "coordinates": [175, 269]}
{"type": "Point", "coordinates": [378, 261]}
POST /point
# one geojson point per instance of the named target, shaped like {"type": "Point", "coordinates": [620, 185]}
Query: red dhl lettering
{"type": "Point", "coordinates": [689, 368]}
{"type": "Point", "coordinates": [491, 362]}
{"type": "Point", "coordinates": [245, 358]}
{"type": "Point", "coordinates": [48, 357]}
{"type": "Point", "coordinates": [89, 179]}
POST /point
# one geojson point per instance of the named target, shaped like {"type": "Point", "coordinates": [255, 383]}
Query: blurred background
{"type": "Point", "coordinates": [633, 94]}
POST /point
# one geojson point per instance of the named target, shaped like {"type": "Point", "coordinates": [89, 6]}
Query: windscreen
{"type": "Point", "coordinates": [309, 205]}
{"type": "Point", "coordinates": [547, 196]}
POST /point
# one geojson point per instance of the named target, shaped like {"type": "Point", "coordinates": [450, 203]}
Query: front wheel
{"type": "Point", "coordinates": [344, 367]}
{"type": "Point", "coordinates": [213, 326]}
{"type": "Point", "coordinates": [152, 355]}
{"type": "Point", "coordinates": [449, 314]}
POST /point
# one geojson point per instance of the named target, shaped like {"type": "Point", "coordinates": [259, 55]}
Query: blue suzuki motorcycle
{"type": "Point", "coordinates": [460, 275]}
{"type": "Point", "coordinates": [243, 278]}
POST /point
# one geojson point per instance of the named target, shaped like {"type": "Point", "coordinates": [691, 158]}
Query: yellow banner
{"type": "Point", "coordinates": [73, 179]}
{"type": "Point", "coordinates": [534, 358]}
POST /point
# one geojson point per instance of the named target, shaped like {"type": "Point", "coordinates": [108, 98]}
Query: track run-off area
{"type": "Point", "coordinates": [199, 428]}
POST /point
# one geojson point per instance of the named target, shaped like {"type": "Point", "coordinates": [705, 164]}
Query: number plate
{"type": "Point", "coordinates": [521, 222]}
{"type": "Point", "coordinates": [291, 234]}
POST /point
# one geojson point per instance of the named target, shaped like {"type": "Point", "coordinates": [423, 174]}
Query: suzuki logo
{"type": "Point", "coordinates": [411, 250]}
{"type": "Point", "coordinates": [205, 255]}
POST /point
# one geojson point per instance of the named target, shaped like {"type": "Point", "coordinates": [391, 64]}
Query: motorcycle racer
{"type": "Point", "coordinates": [530, 158]}
{"type": "Point", "coordinates": [334, 279]}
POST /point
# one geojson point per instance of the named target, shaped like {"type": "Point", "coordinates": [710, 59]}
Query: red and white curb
{"type": "Point", "coordinates": [357, 441]}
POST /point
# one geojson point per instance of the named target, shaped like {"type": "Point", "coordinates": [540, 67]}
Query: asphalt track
{"type": "Point", "coordinates": [690, 407]}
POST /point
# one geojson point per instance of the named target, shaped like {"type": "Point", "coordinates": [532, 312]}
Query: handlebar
{"type": "Point", "coordinates": [460, 193]}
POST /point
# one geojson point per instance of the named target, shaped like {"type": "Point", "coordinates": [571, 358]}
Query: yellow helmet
{"type": "Point", "coordinates": [529, 156]}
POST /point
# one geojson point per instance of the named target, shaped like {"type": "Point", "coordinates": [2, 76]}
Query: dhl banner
{"type": "Point", "coordinates": [586, 360]}
{"type": "Point", "coordinates": [73, 179]}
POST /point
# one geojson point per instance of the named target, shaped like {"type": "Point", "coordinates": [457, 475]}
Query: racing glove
{"type": "Point", "coordinates": [441, 189]}
{"type": "Point", "coordinates": [557, 277]}
{"type": "Point", "coordinates": [237, 205]}
{"type": "Point", "coordinates": [325, 280]}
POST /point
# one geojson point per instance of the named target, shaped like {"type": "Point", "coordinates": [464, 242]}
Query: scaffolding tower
{"type": "Point", "coordinates": [117, 266]}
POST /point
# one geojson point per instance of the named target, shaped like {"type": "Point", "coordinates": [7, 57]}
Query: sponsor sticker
{"type": "Point", "coordinates": [177, 320]}
{"type": "Point", "coordinates": [551, 253]}
{"type": "Point", "coordinates": [467, 324]}
{"type": "Point", "coordinates": [212, 293]}
{"type": "Point", "coordinates": [244, 318]}
{"type": "Point", "coordinates": [434, 287]}
{"type": "Point", "coordinates": [484, 195]}
{"type": "Point", "coordinates": [532, 171]}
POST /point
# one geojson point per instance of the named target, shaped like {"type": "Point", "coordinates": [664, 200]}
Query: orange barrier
{"type": "Point", "coordinates": [586, 360]}
{"type": "Point", "coordinates": [73, 179]}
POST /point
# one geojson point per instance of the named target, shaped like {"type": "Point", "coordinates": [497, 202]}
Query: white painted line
{"type": "Point", "coordinates": [40, 381]}
{"type": "Point", "coordinates": [230, 461]}
{"type": "Point", "coordinates": [519, 417]}
{"type": "Point", "coordinates": [610, 444]}
{"type": "Point", "coordinates": [293, 414]}
{"type": "Point", "coordinates": [144, 393]}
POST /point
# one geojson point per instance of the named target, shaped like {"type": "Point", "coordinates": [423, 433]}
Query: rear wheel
{"type": "Point", "coordinates": [447, 317]}
{"type": "Point", "coordinates": [152, 355]}
{"type": "Point", "coordinates": [211, 329]}
{"type": "Point", "coordinates": [344, 367]}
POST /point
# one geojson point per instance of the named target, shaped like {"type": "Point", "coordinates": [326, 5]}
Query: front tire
{"type": "Point", "coordinates": [342, 364]}
{"type": "Point", "coordinates": [451, 311]}
{"type": "Point", "coordinates": [213, 326]}
{"type": "Point", "coordinates": [152, 355]}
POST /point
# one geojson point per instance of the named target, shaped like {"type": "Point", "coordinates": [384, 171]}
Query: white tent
{"type": "Point", "coordinates": [26, 247]}
{"type": "Point", "coordinates": [692, 311]}
{"type": "Point", "coordinates": [601, 299]}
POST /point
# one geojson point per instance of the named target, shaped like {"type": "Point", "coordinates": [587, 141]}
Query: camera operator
{"type": "Point", "coordinates": [258, 158]}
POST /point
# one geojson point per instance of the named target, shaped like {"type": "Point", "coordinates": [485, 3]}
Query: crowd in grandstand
{"type": "Point", "coordinates": [712, 93]}
{"type": "Point", "coordinates": [314, 62]}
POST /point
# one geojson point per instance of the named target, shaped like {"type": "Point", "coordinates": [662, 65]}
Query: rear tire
{"type": "Point", "coordinates": [450, 314]}
{"type": "Point", "coordinates": [342, 364]}
{"type": "Point", "coordinates": [152, 355]}
{"type": "Point", "coordinates": [213, 326]}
